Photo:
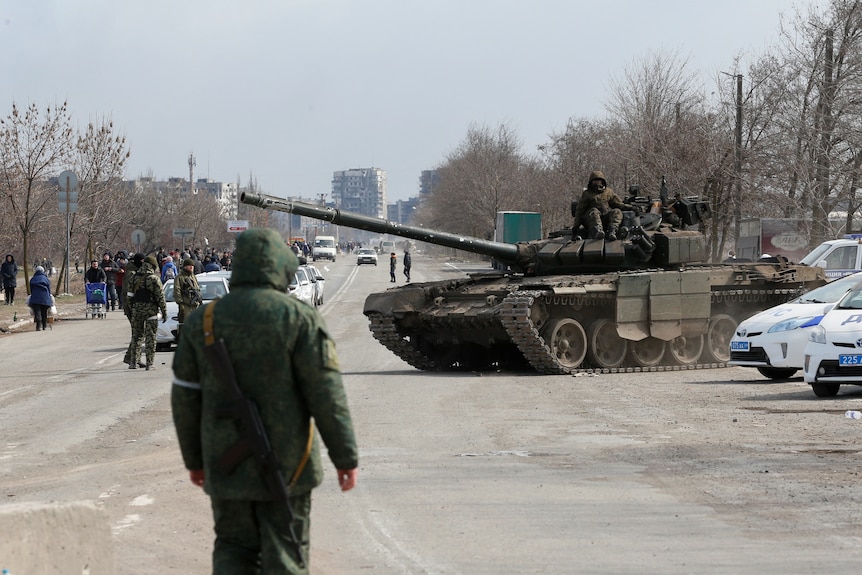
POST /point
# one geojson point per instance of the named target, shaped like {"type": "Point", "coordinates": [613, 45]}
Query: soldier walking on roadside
{"type": "Point", "coordinates": [149, 299]}
{"type": "Point", "coordinates": [284, 363]}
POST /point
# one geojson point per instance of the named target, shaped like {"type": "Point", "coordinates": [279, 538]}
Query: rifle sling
{"type": "Point", "coordinates": [230, 455]}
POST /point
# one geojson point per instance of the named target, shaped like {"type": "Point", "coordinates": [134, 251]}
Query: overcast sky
{"type": "Point", "coordinates": [293, 90]}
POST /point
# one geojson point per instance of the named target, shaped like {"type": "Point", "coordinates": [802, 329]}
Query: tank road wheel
{"type": "Point", "coordinates": [718, 336]}
{"type": "Point", "coordinates": [606, 348]}
{"type": "Point", "coordinates": [684, 350]}
{"type": "Point", "coordinates": [568, 342]}
{"type": "Point", "coordinates": [646, 352]}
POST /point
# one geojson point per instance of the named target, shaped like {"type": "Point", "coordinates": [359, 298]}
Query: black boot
{"type": "Point", "coordinates": [612, 234]}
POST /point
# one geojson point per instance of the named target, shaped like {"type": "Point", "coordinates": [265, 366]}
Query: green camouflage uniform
{"type": "Point", "coordinates": [128, 297]}
{"type": "Point", "coordinates": [285, 361]}
{"type": "Point", "coordinates": [599, 208]}
{"type": "Point", "coordinates": [149, 300]}
{"type": "Point", "coordinates": [187, 294]}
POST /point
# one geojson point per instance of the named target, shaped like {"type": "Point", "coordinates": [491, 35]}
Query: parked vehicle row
{"type": "Point", "coordinates": [819, 333]}
{"type": "Point", "coordinates": [308, 285]}
{"type": "Point", "coordinates": [214, 285]}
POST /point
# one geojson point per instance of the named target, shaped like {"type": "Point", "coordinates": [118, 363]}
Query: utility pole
{"type": "Point", "coordinates": [192, 164]}
{"type": "Point", "coordinates": [737, 157]}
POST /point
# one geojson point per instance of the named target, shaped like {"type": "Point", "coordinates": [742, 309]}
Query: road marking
{"type": "Point", "coordinates": [16, 390]}
{"type": "Point", "coordinates": [142, 500]}
{"type": "Point", "coordinates": [127, 521]}
{"type": "Point", "coordinates": [338, 294]}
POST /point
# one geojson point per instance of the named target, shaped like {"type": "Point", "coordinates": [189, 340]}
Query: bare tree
{"type": "Point", "coordinates": [34, 144]}
{"type": "Point", "coordinates": [482, 176]}
{"type": "Point", "coordinates": [99, 162]}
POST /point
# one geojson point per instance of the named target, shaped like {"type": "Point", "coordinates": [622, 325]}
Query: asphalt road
{"type": "Point", "coordinates": [717, 471]}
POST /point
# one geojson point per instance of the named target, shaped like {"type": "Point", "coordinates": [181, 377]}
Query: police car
{"type": "Point", "coordinates": [774, 340]}
{"type": "Point", "coordinates": [833, 355]}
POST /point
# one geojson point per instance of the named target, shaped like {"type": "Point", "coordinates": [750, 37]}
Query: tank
{"type": "Point", "coordinates": [569, 304]}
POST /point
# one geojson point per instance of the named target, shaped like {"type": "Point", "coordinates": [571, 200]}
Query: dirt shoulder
{"type": "Point", "coordinates": [17, 317]}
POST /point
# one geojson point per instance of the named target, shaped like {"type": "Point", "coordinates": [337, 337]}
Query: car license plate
{"type": "Point", "coordinates": [850, 360]}
{"type": "Point", "coordinates": [738, 346]}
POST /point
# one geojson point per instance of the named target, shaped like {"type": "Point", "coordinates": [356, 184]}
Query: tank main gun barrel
{"type": "Point", "coordinates": [505, 253]}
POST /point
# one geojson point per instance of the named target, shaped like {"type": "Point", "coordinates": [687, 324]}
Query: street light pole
{"type": "Point", "coordinates": [737, 200]}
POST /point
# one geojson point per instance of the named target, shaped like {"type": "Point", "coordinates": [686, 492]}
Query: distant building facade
{"type": "Point", "coordinates": [360, 190]}
{"type": "Point", "coordinates": [403, 211]}
{"type": "Point", "coordinates": [226, 194]}
{"type": "Point", "coordinates": [428, 180]}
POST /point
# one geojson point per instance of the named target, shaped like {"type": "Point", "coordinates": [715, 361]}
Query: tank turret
{"type": "Point", "coordinates": [642, 302]}
{"type": "Point", "coordinates": [648, 241]}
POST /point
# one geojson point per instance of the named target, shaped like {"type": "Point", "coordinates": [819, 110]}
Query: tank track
{"type": "Point", "coordinates": [384, 330]}
{"type": "Point", "coordinates": [516, 319]}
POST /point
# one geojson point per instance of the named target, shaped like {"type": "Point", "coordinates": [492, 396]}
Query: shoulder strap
{"type": "Point", "coordinates": [209, 339]}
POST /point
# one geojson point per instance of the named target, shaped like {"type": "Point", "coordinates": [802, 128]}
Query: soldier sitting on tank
{"type": "Point", "coordinates": [600, 209]}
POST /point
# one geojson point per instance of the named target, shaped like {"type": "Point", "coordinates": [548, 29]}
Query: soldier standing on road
{"type": "Point", "coordinates": [600, 209]}
{"type": "Point", "coordinates": [407, 264]}
{"type": "Point", "coordinates": [149, 299]}
{"type": "Point", "coordinates": [187, 292]}
{"type": "Point", "coordinates": [284, 361]}
{"type": "Point", "coordinates": [132, 267]}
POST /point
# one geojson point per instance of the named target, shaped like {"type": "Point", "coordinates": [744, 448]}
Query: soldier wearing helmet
{"type": "Point", "coordinates": [600, 209]}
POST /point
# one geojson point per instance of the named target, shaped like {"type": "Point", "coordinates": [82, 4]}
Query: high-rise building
{"type": "Point", "coordinates": [224, 193]}
{"type": "Point", "coordinates": [428, 180]}
{"type": "Point", "coordinates": [360, 190]}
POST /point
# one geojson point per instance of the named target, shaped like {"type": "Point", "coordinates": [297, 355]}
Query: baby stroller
{"type": "Point", "coordinates": [95, 300]}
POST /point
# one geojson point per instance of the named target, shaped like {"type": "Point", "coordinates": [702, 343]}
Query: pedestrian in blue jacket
{"type": "Point", "coordinates": [40, 298]}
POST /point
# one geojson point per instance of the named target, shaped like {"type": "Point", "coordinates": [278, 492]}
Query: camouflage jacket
{"type": "Point", "coordinates": [186, 289]}
{"type": "Point", "coordinates": [128, 288]}
{"type": "Point", "coordinates": [604, 201]}
{"type": "Point", "coordinates": [284, 361]}
{"type": "Point", "coordinates": [149, 297]}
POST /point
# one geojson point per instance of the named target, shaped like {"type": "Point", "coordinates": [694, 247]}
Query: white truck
{"type": "Point", "coordinates": [323, 248]}
{"type": "Point", "coordinates": [838, 257]}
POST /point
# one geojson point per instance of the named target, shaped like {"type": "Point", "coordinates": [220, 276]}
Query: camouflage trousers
{"type": "Point", "coordinates": [252, 537]}
{"type": "Point", "coordinates": [143, 329]}
{"type": "Point", "coordinates": [594, 221]}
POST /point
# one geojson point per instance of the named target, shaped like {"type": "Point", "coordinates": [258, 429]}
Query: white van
{"type": "Point", "coordinates": [838, 257]}
{"type": "Point", "coordinates": [323, 248]}
{"type": "Point", "coordinates": [386, 247]}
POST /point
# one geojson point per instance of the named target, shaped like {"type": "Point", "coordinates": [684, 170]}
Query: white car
{"type": "Point", "coordinates": [301, 287]}
{"type": "Point", "coordinates": [774, 340]}
{"type": "Point", "coordinates": [319, 283]}
{"type": "Point", "coordinates": [834, 352]}
{"type": "Point", "coordinates": [366, 256]}
{"type": "Point", "coordinates": [213, 286]}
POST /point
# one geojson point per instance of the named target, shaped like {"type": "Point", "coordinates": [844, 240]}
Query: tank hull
{"type": "Point", "coordinates": [557, 324]}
